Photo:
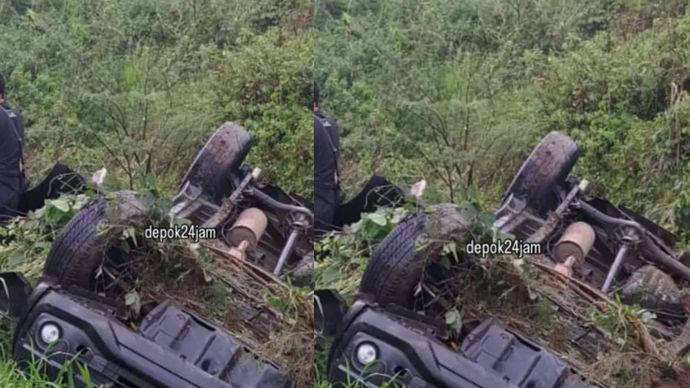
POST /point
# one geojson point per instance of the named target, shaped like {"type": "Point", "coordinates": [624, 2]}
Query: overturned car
{"type": "Point", "coordinates": [585, 241]}
{"type": "Point", "coordinates": [254, 223]}
{"type": "Point", "coordinates": [382, 345]}
{"type": "Point", "coordinates": [609, 247]}
{"type": "Point", "coordinates": [78, 314]}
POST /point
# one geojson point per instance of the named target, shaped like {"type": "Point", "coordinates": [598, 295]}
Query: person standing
{"type": "Point", "coordinates": [326, 183]}
{"type": "Point", "coordinates": [12, 177]}
{"type": "Point", "coordinates": [15, 199]}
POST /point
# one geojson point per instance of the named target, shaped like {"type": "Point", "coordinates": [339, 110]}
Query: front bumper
{"type": "Point", "coordinates": [172, 348]}
{"type": "Point", "coordinates": [409, 354]}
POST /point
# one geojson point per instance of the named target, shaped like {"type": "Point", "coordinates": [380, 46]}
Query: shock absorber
{"type": "Point", "coordinates": [629, 240]}
{"type": "Point", "coordinates": [298, 226]}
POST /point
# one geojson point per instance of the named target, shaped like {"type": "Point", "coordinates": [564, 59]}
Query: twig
{"type": "Point", "coordinates": [582, 289]}
{"type": "Point", "coordinates": [258, 273]}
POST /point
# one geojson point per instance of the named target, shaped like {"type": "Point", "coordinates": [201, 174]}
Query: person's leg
{"type": "Point", "coordinates": [9, 202]}
{"type": "Point", "coordinates": [60, 180]}
{"type": "Point", "coordinates": [376, 193]}
{"type": "Point", "coordinates": [325, 203]}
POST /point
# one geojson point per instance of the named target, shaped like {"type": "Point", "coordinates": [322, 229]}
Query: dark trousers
{"type": "Point", "coordinates": [9, 200]}
{"type": "Point", "coordinates": [377, 192]}
{"type": "Point", "coordinates": [325, 204]}
{"type": "Point", "coordinates": [60, 180]}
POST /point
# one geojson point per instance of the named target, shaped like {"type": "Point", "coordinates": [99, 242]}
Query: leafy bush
{"type": "Point", "coordinates": [138, 86]}
{"type": "Point", "coordinates": [458, 92]}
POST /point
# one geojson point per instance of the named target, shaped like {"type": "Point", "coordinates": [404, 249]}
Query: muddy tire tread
{"type": "Point", "coordinates": [548, 165]}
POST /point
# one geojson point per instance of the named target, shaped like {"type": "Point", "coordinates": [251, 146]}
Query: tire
{"type": "Point", "coordinates": [81, 246]}
{"type": "Point", "coordinates": [223, 154]}
{"type": "Point", "coordinates": [546, 167]}
{"type": "Point", "coordinates": [397, 266]}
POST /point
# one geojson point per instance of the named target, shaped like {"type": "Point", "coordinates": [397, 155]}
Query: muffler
{"type": "Point", "coordinates": [250, 227]}
{"type": "Point", "coordinates": [573, 246]}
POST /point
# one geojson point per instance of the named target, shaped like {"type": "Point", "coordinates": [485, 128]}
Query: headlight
{"type": "Point", "coordinates": [49, 333]}
{"type": "Point", "coordinates": [366, 353]}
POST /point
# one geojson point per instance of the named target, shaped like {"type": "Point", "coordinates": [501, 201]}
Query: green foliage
{"type": "Point", "coordinates": [58, 212]}
{"type": "Point", "coordinates": [343, 256]}
{"type": "Point", "coordinates": [618, 320]}
{"type": "Point", "coordinates": [26, 241]}
{"type": "Point", "coordinates": [138, 86]}
{"type": "Point", "coordinates": [375, 226]}
{"type": "Point", "coordinates": [458, 92]}
{"type": "Point", "coordinates": [33, 374]}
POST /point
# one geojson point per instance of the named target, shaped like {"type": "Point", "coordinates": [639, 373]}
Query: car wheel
{"type": "Point", "coordinates": [81, 246]}
{"type": "Point", "coordinates": [223, 154]}
{"type": "Point", "coordinates": [547, 166]}
{"type": "Point", "coordinates": [398, 263]}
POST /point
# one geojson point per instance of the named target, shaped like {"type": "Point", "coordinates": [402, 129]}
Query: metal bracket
{"type": "Point", "coordinates": [555, 217]}
{"type": "Point", "coordinates": [300, 223]}
{"type": "Point", "coordinates": [229, 203]}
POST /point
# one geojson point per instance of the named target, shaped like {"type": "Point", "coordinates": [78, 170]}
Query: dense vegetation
{"type": "Point", "coordinates": [137, 86]}
{"type": "Point", "coordinates": [458, 92]}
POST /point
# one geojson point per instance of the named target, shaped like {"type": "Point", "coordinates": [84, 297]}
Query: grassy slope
{"type": "Point", "coordinates": [457, 92]}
